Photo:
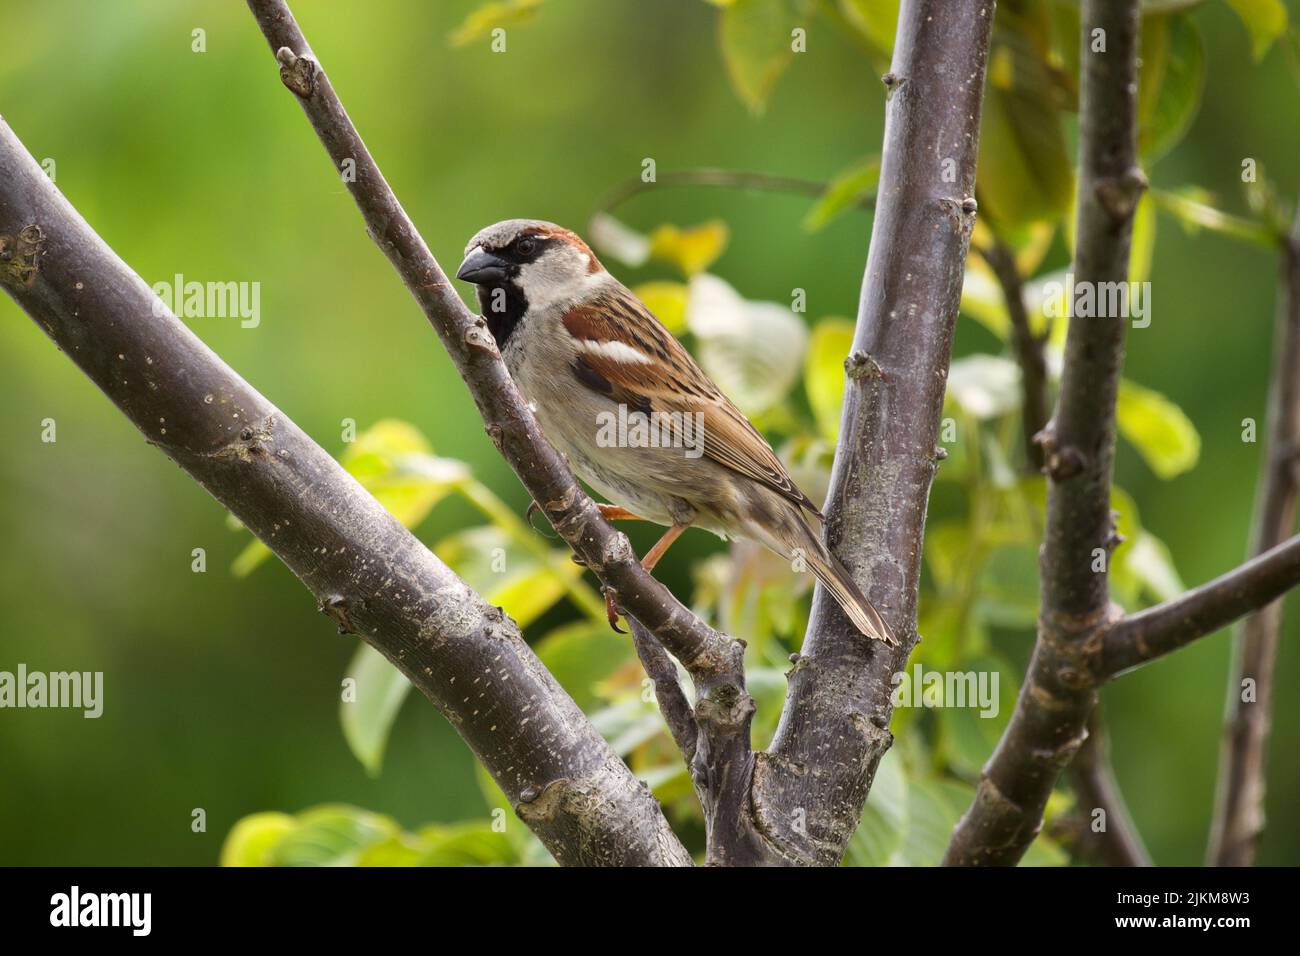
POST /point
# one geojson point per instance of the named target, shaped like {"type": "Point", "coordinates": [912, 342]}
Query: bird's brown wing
{"type": "Point", "coordinates": [659, 375]}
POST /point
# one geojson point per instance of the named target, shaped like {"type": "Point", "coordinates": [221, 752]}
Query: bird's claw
{"type": "Point", "coordinates": [612, 609]}
{"type": "Point", "coordinates": [534, 508]}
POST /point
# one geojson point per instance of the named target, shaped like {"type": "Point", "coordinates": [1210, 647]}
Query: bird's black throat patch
{"type": "Point", "coordinates": [503, 307]}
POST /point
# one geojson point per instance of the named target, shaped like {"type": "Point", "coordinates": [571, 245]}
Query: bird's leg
{"type": "Point", "coordinates": [662, 545]}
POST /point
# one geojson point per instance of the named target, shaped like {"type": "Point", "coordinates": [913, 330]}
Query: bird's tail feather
{"type": "Point", "coordinates": [836, 579]}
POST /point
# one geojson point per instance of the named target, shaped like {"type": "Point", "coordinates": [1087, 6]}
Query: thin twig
{"type": "Point", "coordinates": [1238, 817]}
{"type": "Point", "coordinates": [1147, 635]}
{"type": "Point", "coordinates": [1116, 840]}
{"type": "Point", "coordinates": [673, 705]}
{"type": "Point", "coordinates": [1028, 347]}
{"type": "Point", "coordinates": [727, 178]}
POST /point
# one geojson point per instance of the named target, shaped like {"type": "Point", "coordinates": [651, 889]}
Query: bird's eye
{"type": "Point", "coordinates": [526, 246]}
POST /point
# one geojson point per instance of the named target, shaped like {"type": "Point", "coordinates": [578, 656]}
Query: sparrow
{"type": "Point", "coordinates": [639, 421]}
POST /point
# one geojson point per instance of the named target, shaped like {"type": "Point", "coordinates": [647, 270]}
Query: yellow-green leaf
{"type": "Point", "coordinates": [1160, 431]}
{"type": "Point", "coordinates": [1265, 21]}
{"type": "Point", "coordinates": [824, 372]}
{"type": "Point", "coordinates": [757, 46]}
{"type": "Point", "coordinates": [667, 300]}
{"type": "Point", "coordinates": [693, 249]}
{"type": "Point", "coordinates": [252, 840]}
{"type": "Point", "coordinates": [1171, 81]}
{"type": "Point", "coordinates": [491, 16]}
{"type": "Point", "coordinates": [844, 191]}
{"type": "Point", "coordinates": [875, 20]}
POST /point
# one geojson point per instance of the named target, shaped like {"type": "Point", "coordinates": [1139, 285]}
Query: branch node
{"type": "Point", "coordinates": [298, 73]}
{"type": "Point", "coordinates": [338, 608]}
{"type": "Point", "coordinates": [20, 256]}
{"type": "Point", "coordinates": [860, 366]}
{"type": "Point", "coordinates": [478, 338]}
{"type": "Point", "coordinates": [1059, 463]}
{"type": "Point", "coordinates": [893, 83]}
{"type": "Point", "coordinates": [1119, 195]}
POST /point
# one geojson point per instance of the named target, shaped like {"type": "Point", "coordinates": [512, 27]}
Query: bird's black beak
{"type": "Point", "coordinates": [482, 268]}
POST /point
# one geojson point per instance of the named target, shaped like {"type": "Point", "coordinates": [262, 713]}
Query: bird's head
{"type": "Point", "coordinates": [522, 264]}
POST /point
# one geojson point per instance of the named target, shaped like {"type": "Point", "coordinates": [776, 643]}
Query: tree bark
{"type": "Point", "coordinates": [1048, 725]}
{"type": "Point", "coordinates": [809, 790]}
{"type": "Point", "coordinates": [368, 573]}
{"type": "Point", "coordinates": [1238, 817]}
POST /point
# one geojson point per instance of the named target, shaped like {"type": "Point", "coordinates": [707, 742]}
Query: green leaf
{"type": "Point", "coordinates": [930, 821]}
{"type": "Point", "coordinates": [879, 834]}
{"type": "Point", "coordinates": [252, 840]}
{"type": "Point", "coordinates": [1143, 247]}
{"type": "Point", "coordinates": [1194, 209]}
{"type": "Point", "coordinates": [1025, 172]}
{"type": "Point", "coordinates": [395, 463]}
{"type": "Point", "coordinates": [1171, 81]}
{"type": "Point", "coordinates": [1160, 431]}
{"type": "Point", "coordinates": [829, 346]}
{"type": "Point", "coordinates": [507, 574]}
{"type": "Point", "coordinates": [1265, 21]}
{"type": "Point", "coordinates": [332, 835]}
{"type": "Point", "coordinates": [490, 16]}
{"type": "Point", "coordinates": [465, 844]}
{"type": "Point", "coordinates": [968, 734]}
{"type": "Point", "coordinates": [875, 20]}
{"type": "Point", "coordinates": [1150, 563]}
{"type": "Point", "coordinates": [757, 46]}
{"type": "Point", "coordinates": [380, 689]}
{"type": "Point", "coordinates": [581, 655]}
{"type": "Point", "coordinates": [844, 192]}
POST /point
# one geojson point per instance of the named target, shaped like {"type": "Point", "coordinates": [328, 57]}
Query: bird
{"type": "Point", "coordinates": [638, 420]}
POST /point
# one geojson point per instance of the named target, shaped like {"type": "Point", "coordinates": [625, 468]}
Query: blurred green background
{"type": "Point", "coordinates": [223, 693]}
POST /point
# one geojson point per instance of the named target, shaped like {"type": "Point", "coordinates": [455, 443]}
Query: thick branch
{"type": "Point", "coordinates": [810, 789]}
{"type": "Point", "coordinates": [1028, 347]}
{"type": "Point", "coordinates": [1243, 759]}
{"type": "Point", "coordinates": [367, 571]}
{"type": "Point", "coordinates": [1141, 638]}
{"type": "Point", "coordinates": [509, 421]}
{"type": "Point", "coordinates": [1048, 725]}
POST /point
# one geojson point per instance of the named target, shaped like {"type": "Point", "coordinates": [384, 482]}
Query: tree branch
{"type": "Point", "coordinates": [509, 421]}
{"type": "Point", "coordinates": [367, 571]}
{"type": "Point", "coordinates": [1118, 842]}
{"type": "Point", "coordinates": [1048, 724]}
{"type": "Point", "coordinates": [1238, 817]}
{"type": "Point", "coordinates": [1142, 637]}
{"type": "Point", "coordinates": [1027, 346]}
{"type": "Point", "coordinates": [662, 671]}
{"type": "Point", "coordinates": [727, 178]}
{"type": "Point", "coordinates": [810, 788]}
